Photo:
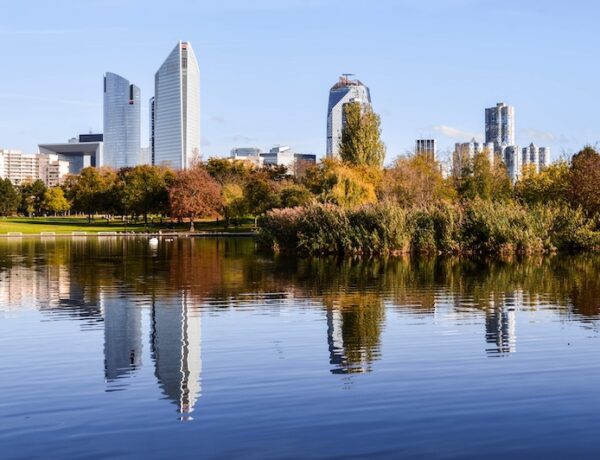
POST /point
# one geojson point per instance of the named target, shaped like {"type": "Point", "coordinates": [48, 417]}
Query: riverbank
{"type": "Point", "coordinates": [69, 226]}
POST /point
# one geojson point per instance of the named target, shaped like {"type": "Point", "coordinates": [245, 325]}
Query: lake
{"type": "Point", "coordinates": [207, 348]}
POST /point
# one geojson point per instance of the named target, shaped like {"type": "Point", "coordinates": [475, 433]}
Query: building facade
{"type": "Point", "coordinates": [500, 125]}
{"type": "Point", "coordinates": [426, 147]}
{"type": "Point", "coordinates": [176, 110]}
{"type": "Point", "coordinates": [465, 152]}
{"type": "Point", "coordinates": [21, 168]}
{"type": "Point", "coordinates": [122, 122]}
{"type": "Point", "coordinates": [343, 92]}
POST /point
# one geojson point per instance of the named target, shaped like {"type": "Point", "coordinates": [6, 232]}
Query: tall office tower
{"type": "Point", "coordinates": [500, 125]}
{"type": "Point", "coordinates": [121, 122]}
{"type": "Point", "coordinates": [427, 147]}
{"type": "Point", "coordinates": [177, 109]}
{"type": "Point", "coordinates": [343, 92]}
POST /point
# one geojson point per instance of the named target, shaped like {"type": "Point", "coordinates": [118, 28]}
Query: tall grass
{"type": "Point", "coordinates": [479, 226]}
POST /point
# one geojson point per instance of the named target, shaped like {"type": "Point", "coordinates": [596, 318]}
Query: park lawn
{"type": "Point", "coordinates": [36, 225]}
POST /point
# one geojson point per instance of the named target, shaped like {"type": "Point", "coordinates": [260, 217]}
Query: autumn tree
{"type": "Point", "coordinates": [55, 201]}
{"type": "Point", "coordinates": [361, 143]}
{"type": "Point", "coordinates": [584, 180]}
{"type": "Point", "coordinates": [415, 180]}
{"type": "Point", "coordinates": [293, 195]}
{"type": "Point", "coordinates": [333, 181]}
{"type": "Point", "coordinates": [234, 204]}
{"type": "Point", "coordinates": [9, 198]}
{"type": "Point", "coordinates": [194, 193]}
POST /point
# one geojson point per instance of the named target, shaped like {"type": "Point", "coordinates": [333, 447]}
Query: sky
{"type": "Point", "coordinates": [267, 67]}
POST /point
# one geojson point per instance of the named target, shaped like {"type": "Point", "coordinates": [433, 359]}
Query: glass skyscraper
{"type": "Point", "coordinates": [122, 142]}
{"type": "Point", "coordinates": [343, 92]}
{"type": "Point", "coordinates": [175, 138]}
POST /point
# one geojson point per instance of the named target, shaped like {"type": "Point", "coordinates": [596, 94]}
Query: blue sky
{"type": "Point", "coordinates": [267, 65]}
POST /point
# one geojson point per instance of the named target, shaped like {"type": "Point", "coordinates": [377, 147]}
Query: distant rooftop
{"type": "Point", "coordinates": [344, 82]}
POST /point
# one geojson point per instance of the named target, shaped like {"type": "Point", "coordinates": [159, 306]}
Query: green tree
{"type": "Point", "coordinates": [261, 195]}
{"type": "Point", "coordinates": [584, 180]}
{"type": "Point", "coordinates": [294, 195]}
{"type": "Point", "coordinates": [55, 201]}
{"type": "Point", "coordinates": [549, 185]}
{"type": "Point", "coordinates": [225, 171]}
{"type": "Point", "coordinates": [361, 143]}
{"type": "Point", "coordinates": [32, 196]}
{"type": "Point", "coordinates": [480, 178]}
{"type": "Point", "coordinates": [94, 190]}
{"type": "Point", "coordinates": [9, 198]}
{"type": "Point", "coordinates": [146, 190]}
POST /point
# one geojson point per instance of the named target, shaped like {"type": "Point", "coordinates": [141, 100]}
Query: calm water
{"type": "Point", "coordinates": [207, 349]}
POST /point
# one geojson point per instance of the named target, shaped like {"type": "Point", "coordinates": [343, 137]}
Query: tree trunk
{"type": "Point", "coordinates": [191, 224]}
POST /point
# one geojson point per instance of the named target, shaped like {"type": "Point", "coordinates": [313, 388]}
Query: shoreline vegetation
{"type": "Point", "coordinates": [351, 205]}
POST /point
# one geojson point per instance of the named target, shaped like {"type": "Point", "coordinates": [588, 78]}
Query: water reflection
{"type": "Point", "coordinates": [110, 282]}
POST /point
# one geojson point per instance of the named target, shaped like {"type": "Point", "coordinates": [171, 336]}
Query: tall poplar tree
{"type": "Point", "coordinates": [361, 143]}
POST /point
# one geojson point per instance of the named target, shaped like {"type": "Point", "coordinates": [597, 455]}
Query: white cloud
{"type": "Point", "coordinates": [457, 134]}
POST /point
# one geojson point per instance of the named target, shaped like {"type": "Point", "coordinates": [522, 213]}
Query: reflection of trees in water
{"type": "Point", "coordinates": [227, 272]}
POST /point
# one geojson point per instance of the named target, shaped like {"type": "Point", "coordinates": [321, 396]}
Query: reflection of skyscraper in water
{"type": "Point", "coordinates": [122, 336]}
{"type": "Point", "coordinates": [176, 349]}
{"type": "Point", "coordinates": [500, 329]}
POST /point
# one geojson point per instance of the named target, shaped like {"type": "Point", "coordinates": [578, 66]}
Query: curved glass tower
{"type": "Point", "coordinates": [176, 141]}
{"type": "Point", "coordinates": [122, 142]}
{"type": "Point", "coordinates": [344, 91]}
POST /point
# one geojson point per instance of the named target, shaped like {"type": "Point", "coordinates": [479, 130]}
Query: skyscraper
{"type": "Point", "coordinates": [500, 125]}
{"type": "Point", "coordinates": [176, 121]}
{"type": "Point", "coordinates": [426, 147]}
{"type": "Point", "coordinates": [121, 122]}
{"type": "Point", "coordinates": [343, 92]}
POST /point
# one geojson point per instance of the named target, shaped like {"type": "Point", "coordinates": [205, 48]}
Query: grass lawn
{"type": "Point", "coordinates": [27, 225]}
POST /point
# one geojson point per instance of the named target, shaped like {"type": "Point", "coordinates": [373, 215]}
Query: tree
{"type": "Point", "coordinates": [294, 195]}
{"type": "Point", "coordinates": [584, 180]}
{"type": "Point", "coordinates": [32, 196]}
{"type": "Point", "coordinates": [415, 180]}
{"type": "Point", "coordinates": [549, 185]}
{"type": "Point", "coordinates": [194, 193]}
{"type": "Point", "coordinates": [345, 185]}
{"type": "Point", "coordinates": [234, 205]}
{"type": "Point", "coordinates": [261, 194]}
{"type": "Point", "coordinates": [146, 189]}
{"type": "Point", "coordinates": [361, 143]}
{"type": "Point", "coordinates": [9, 198]}
{"type": "Point", "coordinates": [480, 178]}
{"type": "Point", "coordinates": [225, 171]}
{"type": "Point", "coordinates": [55, 201]}
{"type": "Point", "coordinates": [94, 190]}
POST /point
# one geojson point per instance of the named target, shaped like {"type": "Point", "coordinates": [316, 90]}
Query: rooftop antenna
{"type": "Point", "coordinates": [346, 75]}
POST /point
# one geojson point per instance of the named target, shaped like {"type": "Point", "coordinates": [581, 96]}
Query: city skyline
{"type": "Point", "coordinates": [442, 100]}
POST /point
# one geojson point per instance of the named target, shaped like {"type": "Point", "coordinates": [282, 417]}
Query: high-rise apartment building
{"type": "Point", "coordinates": [426, 147]}
{"type": "Point", "coordinates": [465, 152]}
{"type": "Point", "coordinates": [122, 122]}
{"type": "Point", "coordinates": [500, 125]}
{"type": "Point", "coordinates": [343, 92]}
{"type": "Point", "coordinates": [21, 168]}
{"type": "Point", "coordinates": [176, 109]}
